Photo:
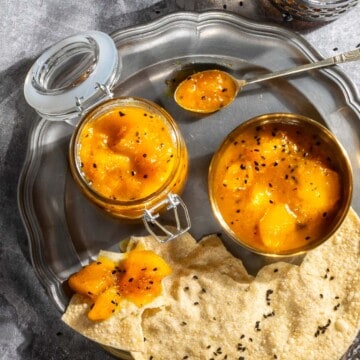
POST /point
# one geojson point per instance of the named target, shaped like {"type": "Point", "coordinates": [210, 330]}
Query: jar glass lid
{"type": "Point", "coordinates": [73, 75]}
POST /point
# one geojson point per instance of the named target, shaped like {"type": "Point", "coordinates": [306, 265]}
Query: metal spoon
{"type": "Point", "coordinates": [210, 90]}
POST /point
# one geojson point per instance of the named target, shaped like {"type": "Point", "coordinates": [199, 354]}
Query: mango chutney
{"type": "Point", "coordinates": [206, 91]}
{"type": "Point", "coordinates": [277, 186]}
{"type": "Point", "coordinates": [137, 277]}
{"type": "Point", "coordinates": [127, 155]}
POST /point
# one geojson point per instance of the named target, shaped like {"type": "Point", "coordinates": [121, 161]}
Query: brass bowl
{"type": "Point", "coordinates": [313, 184]}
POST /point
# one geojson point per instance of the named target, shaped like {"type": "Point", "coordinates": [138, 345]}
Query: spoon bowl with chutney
{"type": "Point", "coordinates": [210, 90]}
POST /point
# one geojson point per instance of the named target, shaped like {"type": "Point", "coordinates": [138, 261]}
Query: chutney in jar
{"type": "Point", "coordinates": [127, 155]}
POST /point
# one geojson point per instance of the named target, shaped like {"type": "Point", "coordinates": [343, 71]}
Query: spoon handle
{"type": "Point", "coordinates": [348, 56]}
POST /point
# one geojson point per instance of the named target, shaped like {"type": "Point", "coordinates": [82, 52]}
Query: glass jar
{"type": "Point", "coordinates": [72, 81]}
{"type": "Point", "coordinates": [315, 10]}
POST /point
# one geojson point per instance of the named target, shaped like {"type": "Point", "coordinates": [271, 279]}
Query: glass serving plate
{"type": "Point", "coordinates": [65, 230]}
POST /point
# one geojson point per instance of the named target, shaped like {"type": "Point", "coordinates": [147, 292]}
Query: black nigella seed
{"type": "Point", "coordinates": [121, 113]}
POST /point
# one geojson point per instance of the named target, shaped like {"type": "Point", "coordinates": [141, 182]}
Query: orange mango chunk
{"type": "Point", "coordinates": [319, 188]}
{"type": "Point", "coordinates": [94, 278]}
{"type": "Point", "coordinates": [277, 226]}
{"type": "Point", "coordinates": [143, 271]}
{"type": "Point", "coordinates": [106, 304]}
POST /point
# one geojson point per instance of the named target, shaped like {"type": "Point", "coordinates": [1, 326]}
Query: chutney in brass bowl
{"type": "Point", "coordinates": [280, 184]}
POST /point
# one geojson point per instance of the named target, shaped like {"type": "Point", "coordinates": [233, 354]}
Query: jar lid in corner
{"type": "Point", "coordinates": [73, 75]}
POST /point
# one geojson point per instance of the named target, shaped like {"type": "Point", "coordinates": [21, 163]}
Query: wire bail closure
{"type": "Point", "coordinates": [173, 203]}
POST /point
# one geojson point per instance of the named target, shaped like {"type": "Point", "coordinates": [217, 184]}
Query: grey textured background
{"type": "Point", "coordinates": [30, 326]}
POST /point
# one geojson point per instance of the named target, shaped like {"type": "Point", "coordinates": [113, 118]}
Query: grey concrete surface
{"type": "Point", "coordinates": [30, 325]}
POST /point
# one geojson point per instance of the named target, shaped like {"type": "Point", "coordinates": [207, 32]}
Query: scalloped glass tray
{"type": "Point", "coordinates": [65, 230]}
